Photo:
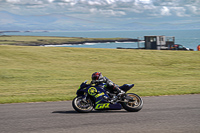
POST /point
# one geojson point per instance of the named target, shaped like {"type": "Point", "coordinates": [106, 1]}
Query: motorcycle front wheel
{"type": "Point", "coordinates": [82, 106]}
{"type": "Point", "coordinates": [134, 105]}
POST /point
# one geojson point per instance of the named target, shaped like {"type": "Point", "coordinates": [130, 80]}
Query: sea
{"type": "Point", "coordinates": [187, 38]}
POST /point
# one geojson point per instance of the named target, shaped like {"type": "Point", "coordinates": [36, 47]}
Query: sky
{"type": "Point", "coordinates": [103, 12]}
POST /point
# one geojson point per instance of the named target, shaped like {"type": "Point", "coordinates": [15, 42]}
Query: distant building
{"type": "Point", "coordinates": [158, 42]}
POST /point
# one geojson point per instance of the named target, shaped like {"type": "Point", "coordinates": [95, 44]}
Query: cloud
{"type": "Point", "coordinates": [107, 10]}
{"type": "Point", "coordinates": [107, 13]}
{"type": "Point", "coordinates": [50, 1]}
{"type": "Point", "coordinates": [179, 11]}
{"type": "Point", "coordinates": [13, 1]}
{"type": "Point", "coordinates": [165, 11]}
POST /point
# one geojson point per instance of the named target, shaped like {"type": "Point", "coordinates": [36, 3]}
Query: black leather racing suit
{"type": "Point", "coordinates": [112, 87]}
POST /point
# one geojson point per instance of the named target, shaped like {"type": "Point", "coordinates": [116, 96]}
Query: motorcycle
{"type": "Point", "coordinates": [91, 97]}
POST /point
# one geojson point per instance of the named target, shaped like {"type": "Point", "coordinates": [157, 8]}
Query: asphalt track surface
{"type": "Point", "coordinates": [162, 114]}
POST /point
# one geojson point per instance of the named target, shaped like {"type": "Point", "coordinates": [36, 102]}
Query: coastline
{"type": "Point", "coordinates": [49, 40]}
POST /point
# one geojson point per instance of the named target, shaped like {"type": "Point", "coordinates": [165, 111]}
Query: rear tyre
{"type": "Point", "coordinates": [135, 105]}
{"type": "Point", "coordinates": [82, 106]}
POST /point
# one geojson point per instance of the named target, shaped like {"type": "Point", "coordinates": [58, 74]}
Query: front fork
{"type": "Point", "coordinates": [84, 98]}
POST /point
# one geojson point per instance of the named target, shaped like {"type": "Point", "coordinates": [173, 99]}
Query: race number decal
{"type": "Point", "coordinates": [102, 106]}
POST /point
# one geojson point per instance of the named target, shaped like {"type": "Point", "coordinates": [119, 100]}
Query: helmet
{"type": "Point", "coordinates": [97, 75]}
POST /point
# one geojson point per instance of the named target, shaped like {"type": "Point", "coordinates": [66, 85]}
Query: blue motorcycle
{"type": "Point", "coordinates": [91, 97]}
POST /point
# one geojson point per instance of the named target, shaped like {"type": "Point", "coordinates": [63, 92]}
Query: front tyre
{"type": "Point", "coordinates": [82, 106]}
{"type": "Point", "coordinates": [134, 105]}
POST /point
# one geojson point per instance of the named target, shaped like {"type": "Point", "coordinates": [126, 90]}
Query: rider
{"type": "Point", "coordinates": [97, 78]}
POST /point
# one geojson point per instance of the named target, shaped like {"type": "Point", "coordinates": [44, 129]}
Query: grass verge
{"type": "Point", "coordinates": [33, 74]}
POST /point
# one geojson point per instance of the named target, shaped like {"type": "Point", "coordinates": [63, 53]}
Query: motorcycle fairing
{"type": "Point", "coordinates": [100, 103]}
{"type": "Point", "coordinates": [126, 87]}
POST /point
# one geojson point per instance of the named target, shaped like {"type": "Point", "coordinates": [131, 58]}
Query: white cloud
{"type": "Point", "coordinates": [94, 3]}
{"type": "Point", "coordinates": [13, 1]}
{"type": "Point", "coordinates": [145, 1]}
{"type": "Point", "coordinates": [112, 13]}
{"type": "Point", "coordinates": [106, 13]}
{"type": "Point", "coordinates": [165, 11]}
{"type": "Point", "coordinates": [194, 10]}
{"type": "Point", "coordinates": [108, 8]}
{"type": "Point", "coordinates": [179, 11]}
{"type": "Point", "coordinates": [50, 1]}
{"type": "Point", "coordinates": [110, 1]}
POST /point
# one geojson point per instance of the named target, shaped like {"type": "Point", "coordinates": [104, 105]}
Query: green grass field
{"type": "Point", "coordinates": [32, 74]}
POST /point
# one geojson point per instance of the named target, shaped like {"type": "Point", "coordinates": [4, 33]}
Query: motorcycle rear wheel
{"type": "Point", "coordinates": [81, 106]}
{"type": "Point", "coordinates": [133, 106]}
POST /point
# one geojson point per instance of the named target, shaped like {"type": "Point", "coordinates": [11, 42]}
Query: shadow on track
{"type": "Point", "coordinates": [65, 112]}
{"type": "Point", "coordinates": [95, 111]}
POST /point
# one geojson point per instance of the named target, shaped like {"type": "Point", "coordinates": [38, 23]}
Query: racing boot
{"type": "Point", "coordinates": [113, 100]}
{"type": "Point", "coordinates": [106, 98]}
{"type": "Point", "coordinates": [120, 92]}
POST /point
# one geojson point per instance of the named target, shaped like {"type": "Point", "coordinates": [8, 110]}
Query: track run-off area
{"type": "Point", "coordinates": [160, 114]}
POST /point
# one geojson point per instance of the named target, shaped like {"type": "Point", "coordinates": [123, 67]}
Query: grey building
{"type": "Point", "coordinates": [158, 42]}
